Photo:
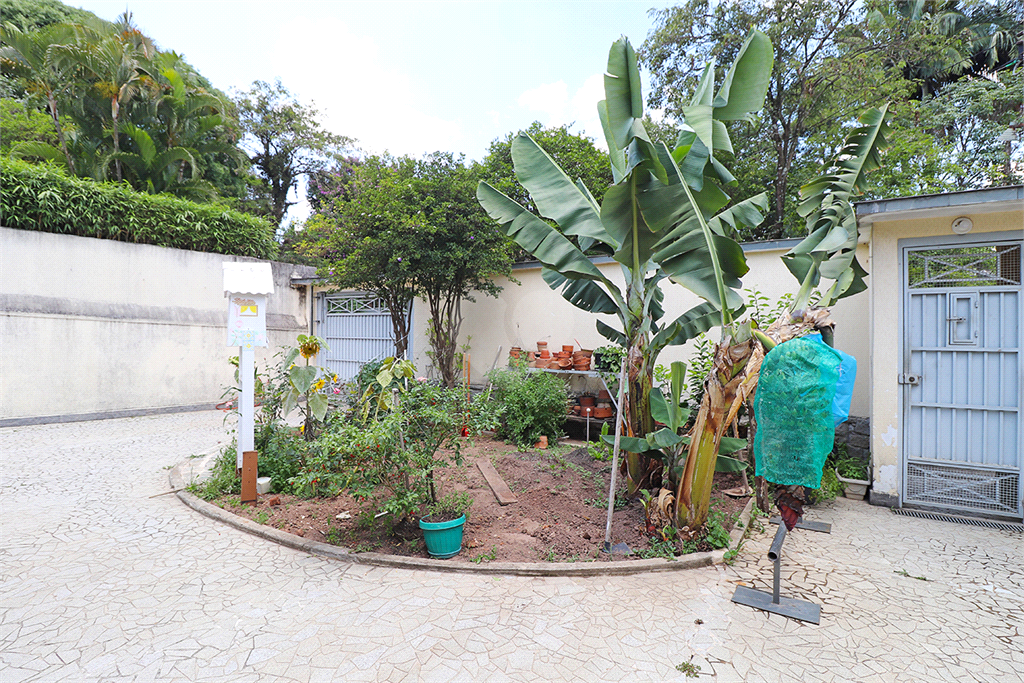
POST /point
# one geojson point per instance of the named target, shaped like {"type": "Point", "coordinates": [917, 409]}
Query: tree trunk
{"type": "Point", "coordinates": [115, 109]}
{"type": "Point", "coordinates": [52, 103]}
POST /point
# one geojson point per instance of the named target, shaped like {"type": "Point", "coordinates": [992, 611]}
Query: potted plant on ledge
{"type": "Point", "coordinates": [853, 473]}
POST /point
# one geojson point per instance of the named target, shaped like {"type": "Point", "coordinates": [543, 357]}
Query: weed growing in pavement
{"type": "Point", "coordinates": [691, 670]}
{"type": "Point", "coordinates": [903, 572]}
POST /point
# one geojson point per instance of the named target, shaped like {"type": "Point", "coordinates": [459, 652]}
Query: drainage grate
{"type": "Point", "coordinates": [972, 521]}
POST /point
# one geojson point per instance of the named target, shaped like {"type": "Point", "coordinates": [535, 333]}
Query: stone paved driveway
{"type": "Point", "coordinates": [101, 582]}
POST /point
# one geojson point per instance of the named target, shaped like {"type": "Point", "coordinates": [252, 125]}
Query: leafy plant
{"type": "Point", "coordinates": [44, 198]}
{"type": "Point", "coordinates": [691, 670]}
{"type": "Point", "coordinates": [532, 404]}
{"type": "Point", "coordinates": [449, 507]}
{"type": "Point", "coordinates": [486, 557]}
{"type": "Point", "coordinates": [671, 448]}
{"type": "Point", "coordinates": [392, 376]}
{"type": "Point", "coordinates": [600, 449]}
{"type": "Point", "coordinates": [307, 382]}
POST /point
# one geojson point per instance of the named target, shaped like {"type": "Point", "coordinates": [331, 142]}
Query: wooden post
{"type": "Point", "coordinates": [249, 471]}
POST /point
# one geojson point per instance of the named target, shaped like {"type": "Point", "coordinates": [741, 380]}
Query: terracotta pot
{"type": "Point", "coordinates": [587, 411]}
{"type": "Point", "coordinates": [564, 363]}
{"type": "Point", "coordinates": [586, 401]}
{"type": "Point", "coordinates": [515, 352]}
{"type": "Point", "coordinates": [542, 346]}
{"type": "Point", "coordinates": [567, 348]}
{"type": "Point", "coordinates": [575, 410]}
{"type": "Point", "coordinates": [603, 413]}
{"type": "Point", "coordinates": [543, 443]}
{"type": "Point", "coordinates": [603, 394]}
{"type": "Point", "coordinates": [544, 353]}
{"type": "Point", "coordinates": [531, 356]}
{"type": "Point", "coordinates": [586, 352]}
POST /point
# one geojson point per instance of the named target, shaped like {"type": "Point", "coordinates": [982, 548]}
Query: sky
{"type": "Point", "coordinates": [406, 77]}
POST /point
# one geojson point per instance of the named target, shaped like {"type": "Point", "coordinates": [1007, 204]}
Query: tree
{"type": "Point", "coordinates": [407, 228]}
{"type": "Point", "coordinates": [358, 238]}
{"type": "Point", "coordinates": [575, 153]}
{"type": "Point", "coordinates": [33, 57]}
{"type": "Point", "coordinates": [819, 84]}
{"type": "Point", "coordinates": [29, 15]}
{"type": "Point", "coordinates": [286, 141]}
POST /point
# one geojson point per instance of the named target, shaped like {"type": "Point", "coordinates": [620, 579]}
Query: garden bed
{"type": "Point", "coordinates": [559, 516]}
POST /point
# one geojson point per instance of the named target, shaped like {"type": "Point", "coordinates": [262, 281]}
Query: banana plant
{"type": "Point", "coordinates": [645, 222]}
{"type": "Point", "coordinates": [668, 444]}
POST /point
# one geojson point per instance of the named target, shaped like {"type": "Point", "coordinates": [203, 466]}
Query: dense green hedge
{"type": "Point", "coordinates": [38, 197]}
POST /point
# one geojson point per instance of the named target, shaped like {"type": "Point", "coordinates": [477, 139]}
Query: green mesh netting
{"type": "Point", "coordinates": [793, 408]}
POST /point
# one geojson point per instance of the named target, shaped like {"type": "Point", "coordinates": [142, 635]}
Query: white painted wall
{"type": "Point", "coordinates": [91, 326]}
{"type": "Point", "coordinates": [529, 312]}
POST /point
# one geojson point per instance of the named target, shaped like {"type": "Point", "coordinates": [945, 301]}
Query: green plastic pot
{"type": "Point", "coordinates": [444, 539]}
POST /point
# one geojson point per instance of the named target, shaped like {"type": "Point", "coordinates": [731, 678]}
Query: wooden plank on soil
{"type": "Point", "coordinates": [501, 490]}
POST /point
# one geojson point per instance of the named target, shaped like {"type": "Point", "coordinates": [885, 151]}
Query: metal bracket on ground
{"type": "Point", "coordinates": [773, 602]}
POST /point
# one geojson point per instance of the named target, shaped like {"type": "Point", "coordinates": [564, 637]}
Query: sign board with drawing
{"type": "Point", "coordinates": [246, 286]}
{"type": "Point", "coordinates": [247, 320]}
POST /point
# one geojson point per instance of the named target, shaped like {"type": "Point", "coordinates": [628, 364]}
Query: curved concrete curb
{"type": "Point", "coordinates": [423, 564]}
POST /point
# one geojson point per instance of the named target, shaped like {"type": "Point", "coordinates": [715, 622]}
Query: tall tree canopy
{"type": "Point", "coordinates": [832, 58]}
{"type": "Point", "coordinates": [286, 141]}
{"type": "Point", "coordinates": [407, 228]}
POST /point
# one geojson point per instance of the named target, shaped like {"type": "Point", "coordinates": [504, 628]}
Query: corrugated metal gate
{"type": "Point", "coordinates": [962, 377]}
{"type": "Point", "coordinates": [357, 328]}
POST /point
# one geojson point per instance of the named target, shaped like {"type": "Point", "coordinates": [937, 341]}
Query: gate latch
{"type": "Point", "coordinates": [910, 379]}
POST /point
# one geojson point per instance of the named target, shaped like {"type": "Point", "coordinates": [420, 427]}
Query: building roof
{"type": "Point", "coordinates": [987, 200]}
{"type": "Point", "coordinates": [248, 278]}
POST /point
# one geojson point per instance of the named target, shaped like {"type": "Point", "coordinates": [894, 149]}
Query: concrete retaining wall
{"type": "Point", "coordinates": [93, 328]}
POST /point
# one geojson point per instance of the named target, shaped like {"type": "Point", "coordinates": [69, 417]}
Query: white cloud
{"type": "Point", "coordinates": [556, 107]}
{"type": "Point", "coordinates": [357, 95]}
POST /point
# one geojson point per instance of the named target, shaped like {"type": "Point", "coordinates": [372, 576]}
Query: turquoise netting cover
{"type": "Point", "coordinates": [793, 408]}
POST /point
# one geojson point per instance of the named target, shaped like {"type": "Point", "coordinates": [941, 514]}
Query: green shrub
{"type": "Point", "coordinates": [532, 404]}
{"type": "Point", "coordinates": [44, 198]}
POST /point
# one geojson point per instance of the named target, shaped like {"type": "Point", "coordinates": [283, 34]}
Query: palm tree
{"type": "Point", "coordinates": [118, 65]}
{"type": "Point", "coordinates": [32, 57]}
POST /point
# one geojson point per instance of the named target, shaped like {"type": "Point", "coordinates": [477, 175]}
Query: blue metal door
{"type": "Point", "coordinates": [962, 378]}
{"type": "Point", "coordinates": [357, 328]}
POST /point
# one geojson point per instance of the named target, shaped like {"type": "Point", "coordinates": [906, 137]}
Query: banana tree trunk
{"type": "Point", "coordinates": [732, 378]}
{"type": "Point", "coordinates": [639, 378]}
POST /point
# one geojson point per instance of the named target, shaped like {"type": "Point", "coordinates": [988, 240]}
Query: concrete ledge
{"type": "Point", "coordinates": [103, 415]}
{"type": "Point", "coordinates": [886, 500]}
{"type": "Point", "coordinates": [335, 552]}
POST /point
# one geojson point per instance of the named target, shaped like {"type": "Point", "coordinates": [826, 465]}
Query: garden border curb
{"type": "Point", "coordinates": [343, 554]}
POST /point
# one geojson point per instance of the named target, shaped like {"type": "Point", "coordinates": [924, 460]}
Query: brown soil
{"type": "Point", "coordinates": [560, 514]}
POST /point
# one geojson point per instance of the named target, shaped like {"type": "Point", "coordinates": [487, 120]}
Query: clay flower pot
{"type": "Point", "coordinates": [515, 352]}
{"type": "Point", "coordinates": [604, 395]}
{"type": "Point", "coordinates": [567, 348]}
{"type": "Point", "coordinates": [542, 346]}
{"type": "Point", "coordinates": [603, 413]}
{"type": "Point", "coordinates": [587, 401]}
{"type": "Point", "coordinates": [544, 353]}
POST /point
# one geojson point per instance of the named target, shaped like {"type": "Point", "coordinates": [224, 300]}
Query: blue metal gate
{"type": "Point", "coordinates": [357, 328]}
{"type": "Point", "coordinates": [962, 377]}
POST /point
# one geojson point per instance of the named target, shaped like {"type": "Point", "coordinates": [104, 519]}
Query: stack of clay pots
{"type": "Point", "coordinates": [581, 359]}
{"type": "Point", "coordinates": [604, 408]}
{"type": "Point", "coordinates": [543, 356]}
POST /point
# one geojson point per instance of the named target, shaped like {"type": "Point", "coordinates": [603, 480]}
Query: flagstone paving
{"type": "Point", "coordinates": [102, 582]}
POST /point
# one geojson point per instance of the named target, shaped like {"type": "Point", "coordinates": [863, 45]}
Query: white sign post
{"type": "Point", "coordinates": [246, 285]}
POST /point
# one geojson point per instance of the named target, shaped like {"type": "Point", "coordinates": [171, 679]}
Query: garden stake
{"type": "Point", "coordinates": [493, 365]}
{"type": "Point", "coordinates": [465, 427]}
{"type": "Point", "coordinates": [618, 547]}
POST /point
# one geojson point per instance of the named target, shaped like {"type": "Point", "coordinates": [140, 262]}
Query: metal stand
{"type": "Point", "coordinates": [773, 602]}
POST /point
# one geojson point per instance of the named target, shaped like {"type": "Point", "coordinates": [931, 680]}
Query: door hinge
{"type": "Point", "coordinates": [910, 379]}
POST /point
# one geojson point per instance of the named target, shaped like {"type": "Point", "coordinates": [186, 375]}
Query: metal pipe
{"type": "Point", "coordinates": [615, 458]}
{"type": "Point", "coordinates": [775, 551]}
